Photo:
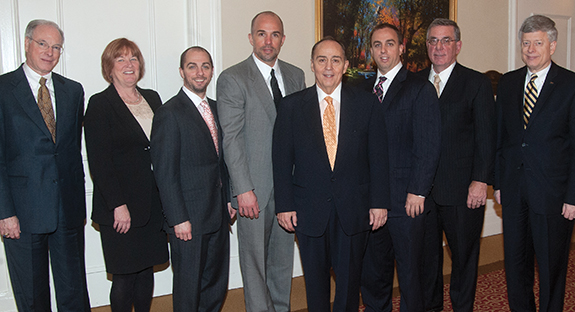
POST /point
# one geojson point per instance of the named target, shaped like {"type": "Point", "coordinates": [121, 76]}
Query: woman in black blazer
{"type": "Point", "coordinates": [126, 203]}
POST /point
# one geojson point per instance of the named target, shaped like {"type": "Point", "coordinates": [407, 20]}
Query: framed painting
{"type": "Point", "coordinates": [351, 22]}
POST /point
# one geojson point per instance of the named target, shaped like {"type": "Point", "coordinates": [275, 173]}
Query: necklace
{"type": "Point", "coordinates": [138, 99]}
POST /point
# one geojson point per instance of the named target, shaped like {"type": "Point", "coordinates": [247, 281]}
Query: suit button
{"type": "Point", "coordinates": [524, 144]}
{"type": "Point", "coordinates": [55, 181]}
{"type": "Point", "coordinates": [147, 148]}
{"type": "Point", "coordinates": [329, 199]}
{"type": "Point", "coordinates": [332, 179]}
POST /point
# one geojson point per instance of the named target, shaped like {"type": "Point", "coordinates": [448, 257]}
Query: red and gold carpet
{"type": "Point", "coordinates": [491, 295]}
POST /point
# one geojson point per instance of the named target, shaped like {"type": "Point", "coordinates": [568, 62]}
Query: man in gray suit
{"type": "Point", "coordinates": [247, 95]}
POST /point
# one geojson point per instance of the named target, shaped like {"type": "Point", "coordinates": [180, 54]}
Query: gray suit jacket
{"type": "Point", "coordinates": [247, 115]}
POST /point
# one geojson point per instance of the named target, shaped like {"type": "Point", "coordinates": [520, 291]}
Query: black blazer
{"type": "Point", "coordinates": [468, 135]}
{"type": "Point", "coordinates": [303, 179]}
{"type": "Point", "coordinates": [545, 150]}
{"type": "Point", "coordinates": [413, 122]}
{"type": "Point", "coordinates": [119, 158]}
{"type": "Point", "coordinates": [36, 175]}
{"type": "Point", "coordinates": [192, 178]}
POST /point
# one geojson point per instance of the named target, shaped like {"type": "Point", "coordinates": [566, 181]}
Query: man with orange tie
{"type": "Point", "coordinates": [330, 175]}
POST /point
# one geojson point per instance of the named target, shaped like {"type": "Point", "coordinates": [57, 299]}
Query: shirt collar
{"type": "Point", "coordinates": [443, 75]}
{"type": "Point", "coordinates": [265, 69]}
{"type": "Point", "coordinates": [34, 77]}
{"type": "Point", "coordinates": [194, 97]}
{"type": "Point", "coordinates": [336, 94]}
{"type": "Point", "coordinates": [390, 75]}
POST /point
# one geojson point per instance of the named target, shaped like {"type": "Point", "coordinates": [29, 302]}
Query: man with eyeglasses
{"type": "Point", "coordinates": [457, 201]}
{"type": "Point", "coordinates": [413, 128]}
{"type": "Point", "coordinates": [42, 196]}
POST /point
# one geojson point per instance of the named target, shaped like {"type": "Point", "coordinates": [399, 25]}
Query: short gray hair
{"type": "Point", "coordinates": [39, 22]}
{"type": "Point", "coordinates": [539, 23]}
{"type": "Point", "coordinates": [445, 22]}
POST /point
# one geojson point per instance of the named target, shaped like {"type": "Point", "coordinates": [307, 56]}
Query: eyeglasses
{"type": "Point", "coordinates": [444, 41]}
{"type": "Point", "coordinates": [44, 46]}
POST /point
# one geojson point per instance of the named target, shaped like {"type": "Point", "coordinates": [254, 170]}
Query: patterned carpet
{"type": "Point", "coordinates": [492, 292]}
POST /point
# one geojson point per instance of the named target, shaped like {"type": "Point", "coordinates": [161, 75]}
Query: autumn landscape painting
{"type": "Point", "coordinates": [351, 21]}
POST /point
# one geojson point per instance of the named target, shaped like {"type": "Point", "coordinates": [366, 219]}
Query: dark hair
{"type": "Point", "coordinates": [387, 25]}
{"type": "Point", "coordinates": [445, 22]}
{"type": "Point", "coordinates": [329, 38]}
{"type": "Point", "coordinates": [119, 47]}
{"type": "Point", "coordinates": [197, 48]}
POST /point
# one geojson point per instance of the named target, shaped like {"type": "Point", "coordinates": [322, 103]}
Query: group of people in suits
{"type": "Point", "coordinates": [366, 177]}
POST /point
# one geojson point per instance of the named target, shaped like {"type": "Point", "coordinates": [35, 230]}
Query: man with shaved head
{"type": "Point", "coordinates": [248, 95]}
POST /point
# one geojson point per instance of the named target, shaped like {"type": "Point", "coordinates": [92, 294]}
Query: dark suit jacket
{"type": "Point", "coordinates": [192, 179]}
{"type": "Point", "coordinates": [545, 151]}
{"type": "Point", "coordinates": [119, 157]}
{"type": "Point", "coordinates": [468, 135]}
{"type": "Point", "coordinates": [36, 175]}
{"type": "Point", "coordinates": [413, 122]}
{"type": "Point", "coordinates": [303, 179]}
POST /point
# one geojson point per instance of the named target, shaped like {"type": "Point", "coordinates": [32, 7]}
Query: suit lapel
{"type": "Point", "coordinates": [23, 94]}
{"type": "Point", "coordinates": [124, 113]}
{"type": "Point", "coordinates": [546, 91]}
{"type": "Point", "coordinates": [452, 86]}
{"type": "Point", "coordinates": [394, 87]}
{"type": "Point", "coordinates": [261, 89]}
{"type": "Point", "coordinates": [346, 121]}
{"type": "Point", "coordinates": [197, 118]}
{"type": "Point", "coordinates": [311, 111]}
{"type": "Point", "coordinates": [517, 97]}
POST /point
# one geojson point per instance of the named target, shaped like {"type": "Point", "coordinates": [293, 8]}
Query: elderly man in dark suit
{"type": "Point", "coordinates": [330, 173]}
{"type": "Point", "coordinates": [413, 127]}
{"type": "Point", "coordinates": [248, 95]}
{"type": "Point", "coordinates": [457, 199]}
{"type": "Point", "coordinates": [186, 150]}
{"type": "Point", "coordinates": [42, 196]}
{"type": "Point", "coordinates": [535, 169]}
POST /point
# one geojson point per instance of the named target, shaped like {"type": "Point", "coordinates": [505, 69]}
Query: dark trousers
{"type": "Point", "coordinates": [334, 249]}
{"type": "Point", "coordinates": [403, 236]}
{"type": "Point", "coordinates": [462, 227]}
{"type": "Point", "coordinates": [27, 260]}
{"type": "Point", "coordinates": [526, 234]}
{"type": "Point", "coordinates": [201, 269]}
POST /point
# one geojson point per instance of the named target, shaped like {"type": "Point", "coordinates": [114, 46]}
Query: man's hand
{"type": "Point", "coordinates": [10, 227]}
{"type": "Point", "coordinates": [231, 211]}
{"type": "Point", "coordinates": [287, 220]}
{"type": "Point", "coordinates": [183, 231]}
{"type": "Point", "coordinates": [248, 205]}
{"type": "Point", "coordinates": [497, 195]}
{"type": "Point", "coordinates": [414, 205]}
{"type": "Point", "coordinates": [568, 211]}
{"type": "Point", "coordinates": [377, 218]}
{"type": "Point", "coordinates": [477, 194]}
{"type": "Point", "coordinates": [122, 220]}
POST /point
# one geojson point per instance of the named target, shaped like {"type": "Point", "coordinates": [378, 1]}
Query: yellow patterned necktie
{"type": "Point", "coordinates": [45, 105]}
{"type": "Point", "coordinates": [436, 81]}
{"type": "Point", "coordinates": [330, 131]}
{"type": "Point", "coordinates": [530, 99]}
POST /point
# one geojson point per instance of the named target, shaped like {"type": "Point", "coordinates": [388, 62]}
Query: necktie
{"type": "Point", "coordinates": [436, 81]}
{"type": "Point", "coordinates": [378, 89]}
{"type": "Point", "coordinates": [45, 105]}
{"type": "Point", "coordinates": [330, 131]}
{"type": "Point", "coordinates": [275, 89]}
{"type": "Point", "coordinates": [530, 99]}
{"type": "Point", "coordinates": [206, 113]}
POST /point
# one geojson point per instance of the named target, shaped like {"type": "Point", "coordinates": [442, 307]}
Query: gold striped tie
{"type": "Point", "coordinates": [530, 99]}
{"type": "Point", "coordinates": [330, 131]}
